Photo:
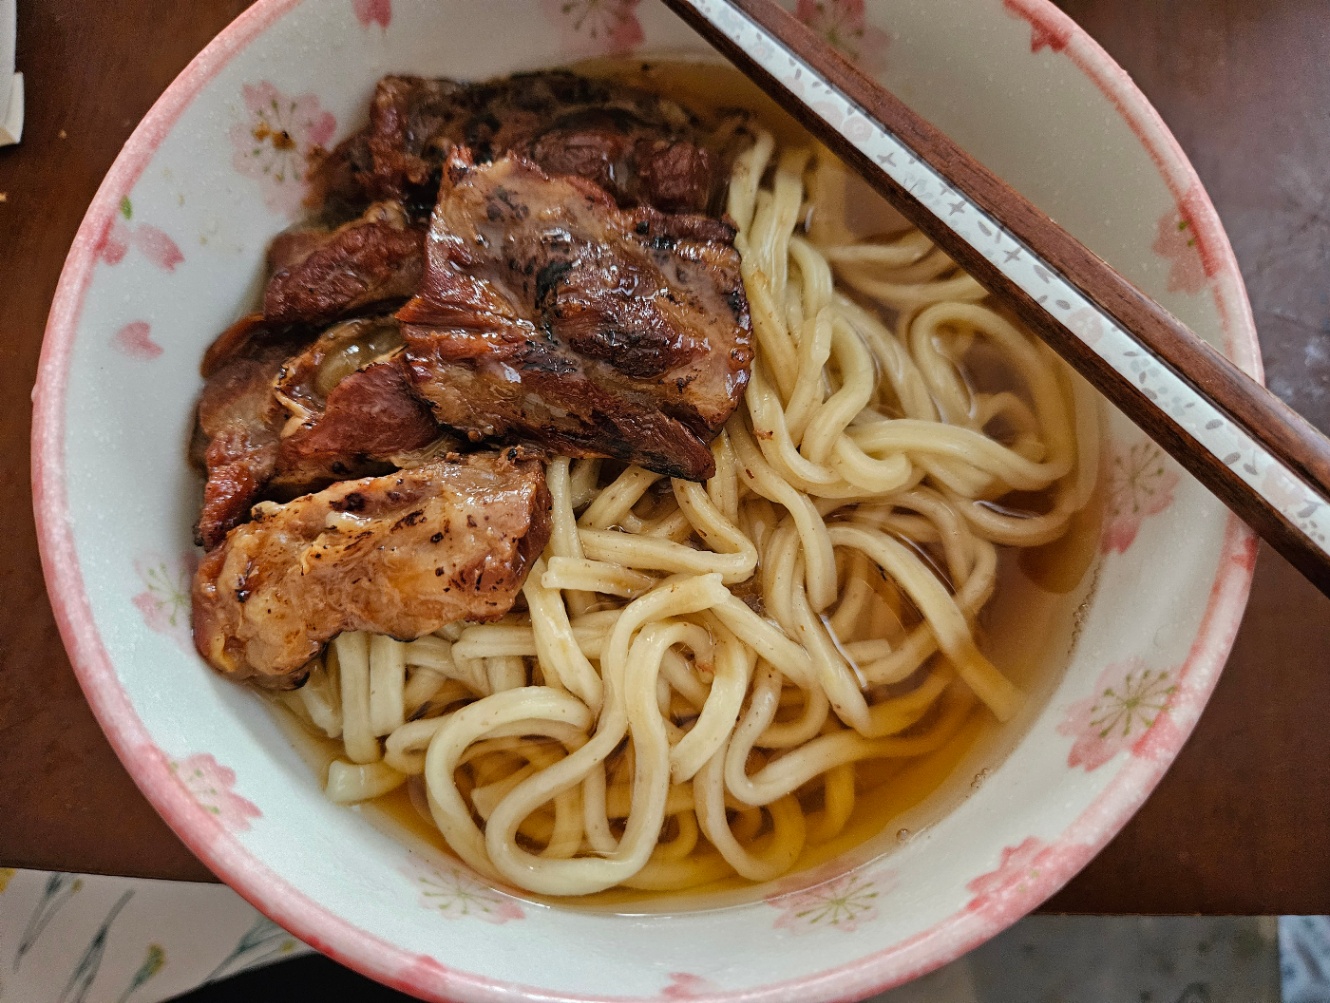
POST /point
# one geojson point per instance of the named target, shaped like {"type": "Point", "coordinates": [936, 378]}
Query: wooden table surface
{"type": "Point", "coordinates": [1241, 824]}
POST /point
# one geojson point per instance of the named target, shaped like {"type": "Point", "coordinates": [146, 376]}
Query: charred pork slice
{"type": "Point", "coordinates": [644, 149]}
{"type": "Point", "coordinates": [353, 408]}
{"type": "Point", "coordinates": [403, 554]}
{"type": "Point", "coordinates": [549, 314]}
{"type": "Point", "coordinates": [276, 420]}
{"type": "Point", "coordinates": [320, 275]}
{"type": "Point", "coordinates": [238, 424]}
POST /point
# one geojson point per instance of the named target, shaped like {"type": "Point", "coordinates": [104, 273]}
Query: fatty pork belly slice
{"type": "Point", "coordinates": [550, 315]}
{"type": "Point", "coordinates": [352, 409]}
{"type": "Point", "coordinates": [645, 149]}
{"type": "Point", "coordinates": [402, 554]}
{"type": "Point", "coordinates": [320, 274]}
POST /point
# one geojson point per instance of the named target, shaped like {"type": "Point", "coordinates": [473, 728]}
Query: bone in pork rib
{"type": "Point", "coordinates": [348, 418]}
{"type": "Point", "coordinates": [276, 420]}
{"type": "Point", "coordinates": [403, 554]}
{"type": "Point", "coordinates": [549, 314]}
{"type": "Point", "coordinates": [644, 149]}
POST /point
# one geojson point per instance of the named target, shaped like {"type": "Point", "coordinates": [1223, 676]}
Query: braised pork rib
{"type": "Point", "coordinates": [642, 148]}
{"type": "Point", "coordinates": [536, 260]}
{"type": "Point", "coordinates": [403, 554]}
{"type": "Point", "coordinates": [551, 315]}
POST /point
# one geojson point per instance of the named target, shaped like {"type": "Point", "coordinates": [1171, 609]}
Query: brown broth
{"type": "Point", "coordinates": [1027, 629]}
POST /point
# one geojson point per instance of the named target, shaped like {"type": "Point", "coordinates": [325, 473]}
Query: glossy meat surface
{"type": "Point", "coordinates": [549, 314]}
{"type": "Point", "coordinates": [644, 149]}
{"type": "Point", "coordinates": [238, 425]}
{"type": "Point", "coordinates": [320, 275]}
{"type": "Point", "coordinates": [352, 406]}
{"type": "Point", "coordinates": [403, 554]}
{"type": "Point", "coordinates": [278, 418]}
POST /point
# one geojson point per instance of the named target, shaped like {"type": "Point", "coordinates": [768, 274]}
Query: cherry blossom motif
{"type": "Point", "coordinates": [1282, 488]}
{"type": "Point", "coordinates": [1086, 324]}
{"type": "Point", "coordinates": [1027, 875]}
{"type": "Point", "coordinates": [165, 601]}
{"type": "Point", "coordinates": [1176, 240]}
{"type": "Point", "coordinates": [1138, 483]}
{"type": "Point", "coordinates": [369, 12]}
{"type": "Point", "coordinates": [844, 25]}
{"type": "Point", "coordinates": [857, 128]}
{"type": "Point", "coordinates": [211, 785]}
{"type": "Point", "coordinates": [135, 340]}
{"type": "Point", "coordinates": [596, 27]}
{"type": "Point", "coordinates": [157, 246]}
{"type": "Point", "coordinates": [455, 893]}
{"type": "Point", "coordinates": [1130, 700]}
{"type": "Point", "coordinates": [828, 111]}
{"type": "Point", "coordinates": [685, 986]}
{"type": "Point", "coordinates": [1049, 28]}
{"type": "Point", "coordinates": [843, 903]}
{"type": "Point", "coordinates": [273, 145]}
{"type": "Point", "coordinates": [153, 243]}
{"type": "Point", "coordinates": [114, 242]}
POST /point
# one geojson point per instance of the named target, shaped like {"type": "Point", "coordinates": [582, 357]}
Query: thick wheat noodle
{"type": "Point", "coordinates": [531, 707]}
{"type": "Point", "coordinates": [556, 645]}
{"type": "Point", "coordinates": [732, 668]}
{"type": "Point", "coordinates": [352, 654]}
{"type": "Point", "coordinates": [905, 250]}
{"type": "Point", "coordinates": [696, 669]}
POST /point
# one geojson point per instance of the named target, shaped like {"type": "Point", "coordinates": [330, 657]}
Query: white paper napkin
{"type": "Point", "coordinates": [11, 83]}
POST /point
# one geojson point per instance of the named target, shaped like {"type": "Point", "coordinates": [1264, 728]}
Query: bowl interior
{"type": "Point", "coordinates": [172, 251]}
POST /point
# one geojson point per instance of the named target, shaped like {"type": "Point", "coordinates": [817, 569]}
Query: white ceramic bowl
{"type": "Point", "coordinates": [171, 251]}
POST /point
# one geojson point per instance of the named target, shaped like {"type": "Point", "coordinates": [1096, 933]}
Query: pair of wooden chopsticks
{"type": "Point", "coordinates": [1262, 459]}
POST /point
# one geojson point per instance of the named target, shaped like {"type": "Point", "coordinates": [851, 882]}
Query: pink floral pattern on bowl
{"type": "Point", "coordinates": [211, 785]}
{"type": "Point", "coordinates": [1049, 29]}
{"type": "Point", "coordinates": [685, 986]}
{"type": "Point", "coordinates": [135, 340]}
{"type": "Point", "coordinates": [1025, 877]}
{"type": "Point", "coordinates": [1130, 701]}
{"type": "Point", "coordinates": [370, 12]}
{"type": "Point", "coordinates": [1176, 240]}
{"type": "Point", "coordinates": [274, 143]}
{"type": "Point", "coordinates": [842, 903]}
{"type": "Point", "coordinates": [596, 27]}
{"type": "Point", "coordinates": [164, 602]}
{"type": "Point", "coordinates": [845, 26]}
{"type": "Point", "coordinates": [152, 242]}
{"type": "Point", "coordinates": [454, 893]}
{"type": "Point", "coordinates": [1139, 482]}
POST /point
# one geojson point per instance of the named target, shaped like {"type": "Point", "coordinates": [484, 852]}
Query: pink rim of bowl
{"type": "Point", "coordinates": [421, 975]}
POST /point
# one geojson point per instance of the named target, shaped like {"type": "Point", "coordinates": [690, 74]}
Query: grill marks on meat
{"type": "Point", "coordinates": [402, 554]}
{"type": "Point", "coordinates": [550, 314]}
{"type": "Point", "coordinates": [567, 292]}
{"type": "Point", "coordinates": [275, 425]}
{"type": "Point", "coordinates": [321, 275]}
{"type": "Point", "coordinates": [638, 164]}
{"type": "Point", "coordinates": [643, 149]}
